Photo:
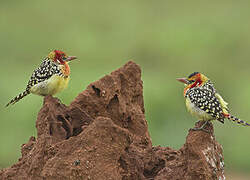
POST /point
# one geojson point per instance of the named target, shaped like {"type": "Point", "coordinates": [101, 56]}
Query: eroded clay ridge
{"type": "Point", "coordinates": [103, 135]}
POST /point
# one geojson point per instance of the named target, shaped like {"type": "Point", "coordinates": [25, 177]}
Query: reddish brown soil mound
{"type": "Point", "coordinates": [103, 135]}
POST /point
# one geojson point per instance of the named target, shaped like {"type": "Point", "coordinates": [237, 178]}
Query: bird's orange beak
{"type": "Point", "coordinates": [70, 58]}
{"type": "Point", "coordinates": [183, 80]}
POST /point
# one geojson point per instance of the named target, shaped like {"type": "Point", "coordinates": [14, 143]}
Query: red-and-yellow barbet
{"type": "Point", "coordinates": [51, 77]}
{"type": "Point", "coordinates": [203, 101]}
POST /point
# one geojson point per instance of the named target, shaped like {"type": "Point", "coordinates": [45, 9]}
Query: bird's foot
{"type": "Point", "coordinates": [202, 128]}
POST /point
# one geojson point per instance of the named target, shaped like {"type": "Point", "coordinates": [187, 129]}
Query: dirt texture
{"type": "Point", "coordinates": [103, 134]}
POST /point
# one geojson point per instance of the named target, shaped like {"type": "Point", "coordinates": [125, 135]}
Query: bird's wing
{"type": "Point", "coordinates": [43, 72]}
{"type": "Point", "coordinates": [207, 101]}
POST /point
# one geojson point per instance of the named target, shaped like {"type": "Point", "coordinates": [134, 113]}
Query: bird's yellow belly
{"type": "Point", "coordinates": [197, 112]}
{"type": "Point", "coordinates": [51, 86]}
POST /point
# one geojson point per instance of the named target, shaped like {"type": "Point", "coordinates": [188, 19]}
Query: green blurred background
{"type": "Point", "coordinates": [168, 39]}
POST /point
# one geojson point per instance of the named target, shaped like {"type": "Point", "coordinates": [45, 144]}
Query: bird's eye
{"type": "Point", "coordinates": [191, 81]}
{"type": "Point", "coordinates": [64, 57]}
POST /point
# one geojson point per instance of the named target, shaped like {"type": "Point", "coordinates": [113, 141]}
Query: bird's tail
{"type": "Point", "coordinates": [18, 97]}
{"type": "Point", "coordinates": [237, 120]}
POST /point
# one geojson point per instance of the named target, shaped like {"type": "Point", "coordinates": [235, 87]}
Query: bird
{"type": "Point", "coordinates": [51, 77]}
{"type": "Point", "coordinates": [204, 102]}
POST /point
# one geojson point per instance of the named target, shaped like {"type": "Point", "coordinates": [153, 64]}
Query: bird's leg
{"type": "Point", "coordinates": [201, 128]}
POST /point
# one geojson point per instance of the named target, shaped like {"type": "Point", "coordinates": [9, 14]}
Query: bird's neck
{"type": "Point", "coordinates": [197, 83]}
{"type": "Point", "coordinates": [66, 69]}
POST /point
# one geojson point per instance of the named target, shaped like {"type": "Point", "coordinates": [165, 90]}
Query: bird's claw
{"type": "Point", "coordinates": [200, 129]}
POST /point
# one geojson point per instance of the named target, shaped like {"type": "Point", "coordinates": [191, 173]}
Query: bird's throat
{"type": "Point", "coordinates": [195, 84]}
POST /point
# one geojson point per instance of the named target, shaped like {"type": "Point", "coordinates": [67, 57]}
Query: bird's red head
{"type": "Point", "coordinates": [193, 80]}
{"type": "Point", "coordinates": [60, 57]}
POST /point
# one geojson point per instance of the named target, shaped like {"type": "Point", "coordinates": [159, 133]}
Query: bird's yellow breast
{"type": "Point", "coordinates": [51, 86]}
{"type": "Point", "coordinates": [57, 84]}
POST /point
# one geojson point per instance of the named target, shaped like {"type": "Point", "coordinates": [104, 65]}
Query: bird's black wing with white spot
{"type": "Point", "coordinates": [43, 72]}
{"type": "Point", "coordinates": [206, 100]}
